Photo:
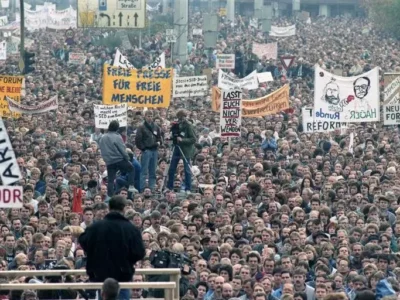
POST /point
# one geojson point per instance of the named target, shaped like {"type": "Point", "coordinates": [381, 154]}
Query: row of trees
{"type": "Point", "coordinates": [385, 15]}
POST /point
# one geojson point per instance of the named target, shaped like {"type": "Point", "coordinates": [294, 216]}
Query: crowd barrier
{"type": "Point", "coordinates": [171, 288]}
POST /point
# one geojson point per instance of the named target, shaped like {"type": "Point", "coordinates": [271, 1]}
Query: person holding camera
{"type": "Point", "coordinates": [148, 138]}
{"type": "Point", "coordinates": [184, 138]}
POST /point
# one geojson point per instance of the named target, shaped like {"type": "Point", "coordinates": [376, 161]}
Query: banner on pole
{"type": "Point", "coordinates": [190, 86]}
{"type": "Point", "coordinates": [273, 103]}
{"type": "Point", "coordinates": [42, 107]}
{"type": "Point", "coordinates": [137, 88]}
{"type": "Point", "coordinates": [9, 169]}
{"type": "Point", "coordinates": [122, 61]}
{"type": "Point", "coordinates": [231, 113]}
{"type": "Point", "coordinates": [346, 99]}
{"type": "Point", "coordinates": [104, 114]}
{"type": "Point", "coordinates": [283, 31]}
{"type": "Point", "coordinates": [226, 82]}
{"type": "Point", "coordinates": [225, 61]}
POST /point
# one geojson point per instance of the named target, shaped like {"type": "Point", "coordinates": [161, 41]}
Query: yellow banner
{"type": "Point", "coordinates": [10, 86]}
{"type": "Point", "coordinates": [268, 105]}
{"type": "Point", "coordinates": [137, 88]}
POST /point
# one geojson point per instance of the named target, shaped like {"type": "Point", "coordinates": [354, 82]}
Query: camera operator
{"type": "Point", "coordinates": [184, 138]}
{"type": "Point", "coordinates": [172, 258]}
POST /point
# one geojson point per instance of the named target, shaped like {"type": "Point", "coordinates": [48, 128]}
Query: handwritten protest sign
{"type": "Point", "coordinates": [225, 61]}
{"type": "Point", "coordinates": [3, 50]}
{"type": "Point", "coordinates": [9, 169]}
{"type": "Point", "coordinates": [122, 61]}
{"type": "Point", "coordinates": [9, 86]}
{"type": "Point", "coordinates": [264, 106]}
{"type": "Point", "coordinates": [190, 86]}
{"type": "Point", "coordinates": [137, 88]}
{"type": "Point", "coordinates": [310, 125]}
{"type": "Point", "coordinates": [76, 58]}
{"type": "Point", "coordinates": [42, 107]}
{"type": "Point", "coordinates": [231, 113]}
{"type": "Point", "coordinates": [104, 114]}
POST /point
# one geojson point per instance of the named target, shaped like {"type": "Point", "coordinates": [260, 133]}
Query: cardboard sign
{"type": "Point", "coordinates": [265, 77]}
{"type": "Point", "coordinates": [137, 88]}
{"type": "Point", "coordinates": [310, 125]}
{"type": "Point", "coordinates": [9, 169]}
{"type": "Point", "coordinates": [231, 113]}
{"type": "Point", "coordinates": [77, 58]}
{"type": "Point", "coordinates": [391, 100]}
{"type": "Point", "coordinates": [104, 114]}
{"type": "Point", "coordinates": [225, 61]}
{"type": "Point", "coordinates": [190, 86]}
{"type": "Point", "coordinates": [122, 61]}
{"type": "Point", "coordinates": [11, 197]}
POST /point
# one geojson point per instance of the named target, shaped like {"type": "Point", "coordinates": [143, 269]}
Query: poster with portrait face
{"type": "Point", "coordinates": [346, 99]}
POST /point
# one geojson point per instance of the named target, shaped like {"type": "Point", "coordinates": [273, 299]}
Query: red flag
{"type": "Point", "coordinates": [77, 201]}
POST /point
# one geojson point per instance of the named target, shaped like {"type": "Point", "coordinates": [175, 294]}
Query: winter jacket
{"type": "Point", "coordinates": [147, 136]}
{"type": "Point", "coordinates": [269, 144]}
{"type": "Point", "coordinates": [186, 132]}
{"type": "Point", "coordinates": [113, 246]}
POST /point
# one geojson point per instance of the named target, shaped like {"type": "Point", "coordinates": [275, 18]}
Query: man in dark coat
{"type": "Point", "coordinates": [112, 246]}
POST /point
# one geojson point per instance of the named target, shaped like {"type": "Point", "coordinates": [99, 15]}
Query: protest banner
{"type": "Point", "coordinates": [231, 113]}
{"type": "Point", "coordinates": [190, 86]}
{"type": "Point", "coordinates": [104, 114]}
{"type": "Point", "coordinates": [76, 58]}
{"type": "Point", "coordinates": [9, 169]}
{"type": "Point", "coordinates": [10, 86]}
{"type": "Point", "coordinates": [3, 50]}
{"type": "Point", "coordinates": [137, 88]}
{"type": "Point", "coordinates": [391, 99]}
{"type": "Point", "coordinates": [197, 31]}
{"type": "Point", "coordinates": [122, 61]}
{"type": "Point", "coordinates": [225, 61]}
{"type": "Point", "coordinates": [11, 196]}
{"type": "Point", "coordinates": [226, 82]}
{"type": "Point", "coordinates": [283, 31]}
{"type": "Point", "coordinates": [267, 51]}
{"type": "Point", "coordinates": [310, 125]}
{"type": "Point", "coordinates": [263, 106]}
{"type": "Point", "coordinates": [265, 77]}
{"type": "Point", "coordinates": [346, 99]}
{"type": "Point", "coordinates": [42, 107]}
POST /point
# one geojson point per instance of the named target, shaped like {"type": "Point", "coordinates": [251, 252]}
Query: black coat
{"type": "Point", "coordinates": [112, 246]}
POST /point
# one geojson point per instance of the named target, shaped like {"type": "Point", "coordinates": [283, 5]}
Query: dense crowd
{"type": "Point", "coordinates": [274, 214]}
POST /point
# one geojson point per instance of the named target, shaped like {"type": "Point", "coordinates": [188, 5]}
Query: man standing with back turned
{"type": "Point", "coordinates": [113, 246]}
{"type": "Point", "coordinates": [115, 156]}
{"type": "Point", "coordinates": [148, 138]}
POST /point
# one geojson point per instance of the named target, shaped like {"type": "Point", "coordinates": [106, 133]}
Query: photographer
{"type": "Point", "coordinates": [184, 138]}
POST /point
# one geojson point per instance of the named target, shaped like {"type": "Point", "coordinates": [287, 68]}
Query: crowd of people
{"type": "Point", "coordinates": [274, 214]}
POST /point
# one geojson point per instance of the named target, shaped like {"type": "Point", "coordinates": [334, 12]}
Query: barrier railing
{"type": "Point", "coordinates": [168, 287]}
{"type": "Point", "coordinates": [174, 275]}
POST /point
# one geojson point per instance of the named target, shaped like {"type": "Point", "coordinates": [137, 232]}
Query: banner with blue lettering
{"type": "Point", "coordinates": [346, 99]}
